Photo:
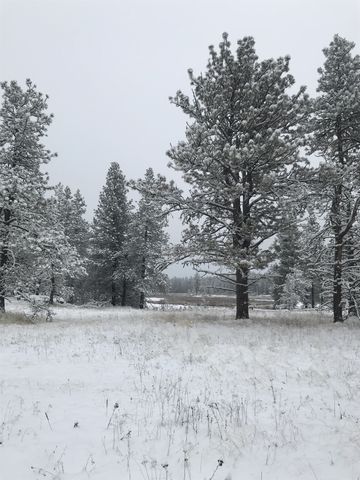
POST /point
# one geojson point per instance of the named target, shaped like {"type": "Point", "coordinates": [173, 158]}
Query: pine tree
{"type": "Point", "coordinates": [148, 239]}
{"type": "Point", "coordinates": [335, 127]}
{"type": "Point", "coordinates": [23, 125]}
{"type": "Point", "coordinates": [237, 159]}
{"type": "Point", "coordinates": [313, 256]}
{"type": "Point", "coordinates": [295, 289]}
{"type": "Point", "coordinates": [287, 252]}
{"type": "Point", "coordinates": [57, 260]}
{"type": "Point", "coordinates": [111, 222]}
{"type": "Point", "coordinates": [79, 233]}
{"type": "Point", "coordinates": [196, 281]}
{"type": "Point", "coordinates": [71, 210]}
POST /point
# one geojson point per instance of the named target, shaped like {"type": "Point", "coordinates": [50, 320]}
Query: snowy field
{"type": "Point", "coordinates": [117, 394]}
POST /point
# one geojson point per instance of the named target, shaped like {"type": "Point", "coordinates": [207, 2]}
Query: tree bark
{"type": "Point", "coordinates": [337, 282]}
{"type": "Point", "coordinates": [242, 295]}
{"type": "Point", "coordinates": [52, 286]}
{"type": "Point", "coordinates": [124, 292]}
{"type": "Point", "coordinates": [142, 293]}
{"type": "Point", "coordinates": [338, 237]}
{"type": "Point", "coordinates": [241, 242]}
{"type": "Point", "coordinates": [113, 293]}
{"type": "Point", "coordinates": [2, 282]}
{"type": "Point", "coordinates": [4, 258]}
{"type": "Point", "coordinates": [143, 271]}
{"type": "Point", "coordinates": [142, 300]}
{"type": "Point", "coordinates": [312, 294]}
{"type": "Point", "coordinates": [52, 290]}
{"type": "Point", "coordinates": [351, 265]}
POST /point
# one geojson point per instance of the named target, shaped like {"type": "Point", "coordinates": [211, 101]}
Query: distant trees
{"type": "Point", "coordinates": [214, 285]}
{"type": "Point", "coordinates": [286, 247]}
{"type": "Point", "coordinates": [180, 284]}
{"type": "Point", "coordinates": [129, 246]}
{"type": "Point", "coordinates": [239, 159]}
{"type": "Point", "coordinates": [148, 239]}
{"type": "Point", "coordinates": [295, 289]}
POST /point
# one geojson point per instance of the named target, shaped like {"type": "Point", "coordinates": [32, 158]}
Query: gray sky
{"type": "Point", "coordinates": [109, 67]}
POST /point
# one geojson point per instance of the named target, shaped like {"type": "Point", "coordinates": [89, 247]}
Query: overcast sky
{"type": "Point", "coordinates": [109, 67]}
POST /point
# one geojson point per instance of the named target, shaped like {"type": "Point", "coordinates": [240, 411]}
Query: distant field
{"type": "Point", "coordinates": [263, 301]}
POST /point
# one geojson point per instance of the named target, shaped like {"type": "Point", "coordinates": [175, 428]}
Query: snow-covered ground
{"type": "Point", "coordinates": [117, 394]}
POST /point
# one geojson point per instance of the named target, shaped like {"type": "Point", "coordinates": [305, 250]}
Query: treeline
{"type": "Point", "coordinates": [256, 203]}
{"type": "Point", "coordinates": [47, 248]}
{"type": "Point", "coordinates": [212, 285]}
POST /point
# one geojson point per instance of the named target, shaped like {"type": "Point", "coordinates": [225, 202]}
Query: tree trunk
{"type": "Point", "coordinates": [337, 227]}
{"type": "Point", "coordinates": [241, 215]}
{"type": "Point", "coordinates": [352, 268]}
{"type": "Point", "coordinates": [337, 282]}
{"type": "Point", "coordinates": [4, 258]}
{"type": "Point", "coordinates": [52, 288]}
{"type": "Point", "coordinates": [142, 292]}
{"type": "Point", "coordinates": [242, 294]}
{"type": "Point", "coordinates": [312, 294]}
{"type": "Point", "coordinates": [124, 292]}
{"type": "Point", "coordinates": [142, 300]}
{"type": "Point", "coordinates": [113, 293]}
{"type": "Point", "coordinates": [143, 271]}
{"type": "Point", "coordinates": [2, 282]}
{"type": "Point", "coordinates": [113, 284]}
{"type": "Point", "coordinates": [2, 304]}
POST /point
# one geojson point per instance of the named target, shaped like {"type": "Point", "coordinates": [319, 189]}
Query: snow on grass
{"type": "Point", "coordinates": [118, 394]}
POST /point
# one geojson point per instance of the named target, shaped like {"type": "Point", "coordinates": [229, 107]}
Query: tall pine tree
{"type": "Point", "coordinates": [23, 125]}
{"type": "Point", "coordinates": [109, 233]}
{"type": "Point", "coordinates": [237, 159]}
{"type": "Point", "coordinates": [335, 128]}
{"type": "Point", "coordinates": [287, 251]}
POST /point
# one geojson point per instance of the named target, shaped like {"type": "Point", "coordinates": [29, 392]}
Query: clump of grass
{"type": "Point", "coordinates": [9, 318]}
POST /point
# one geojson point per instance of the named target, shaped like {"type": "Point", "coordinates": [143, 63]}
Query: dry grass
{"type": "Point", "coordinates": [296, 318]}
{"type": "Point", "coordinates": [270, 395]}
{"type": "Point", "coordinates": [18, 318]}
{"type": "Point", "coordinates": [259, 318]}
{"type": "Point", "coordinates": [261, 301]}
